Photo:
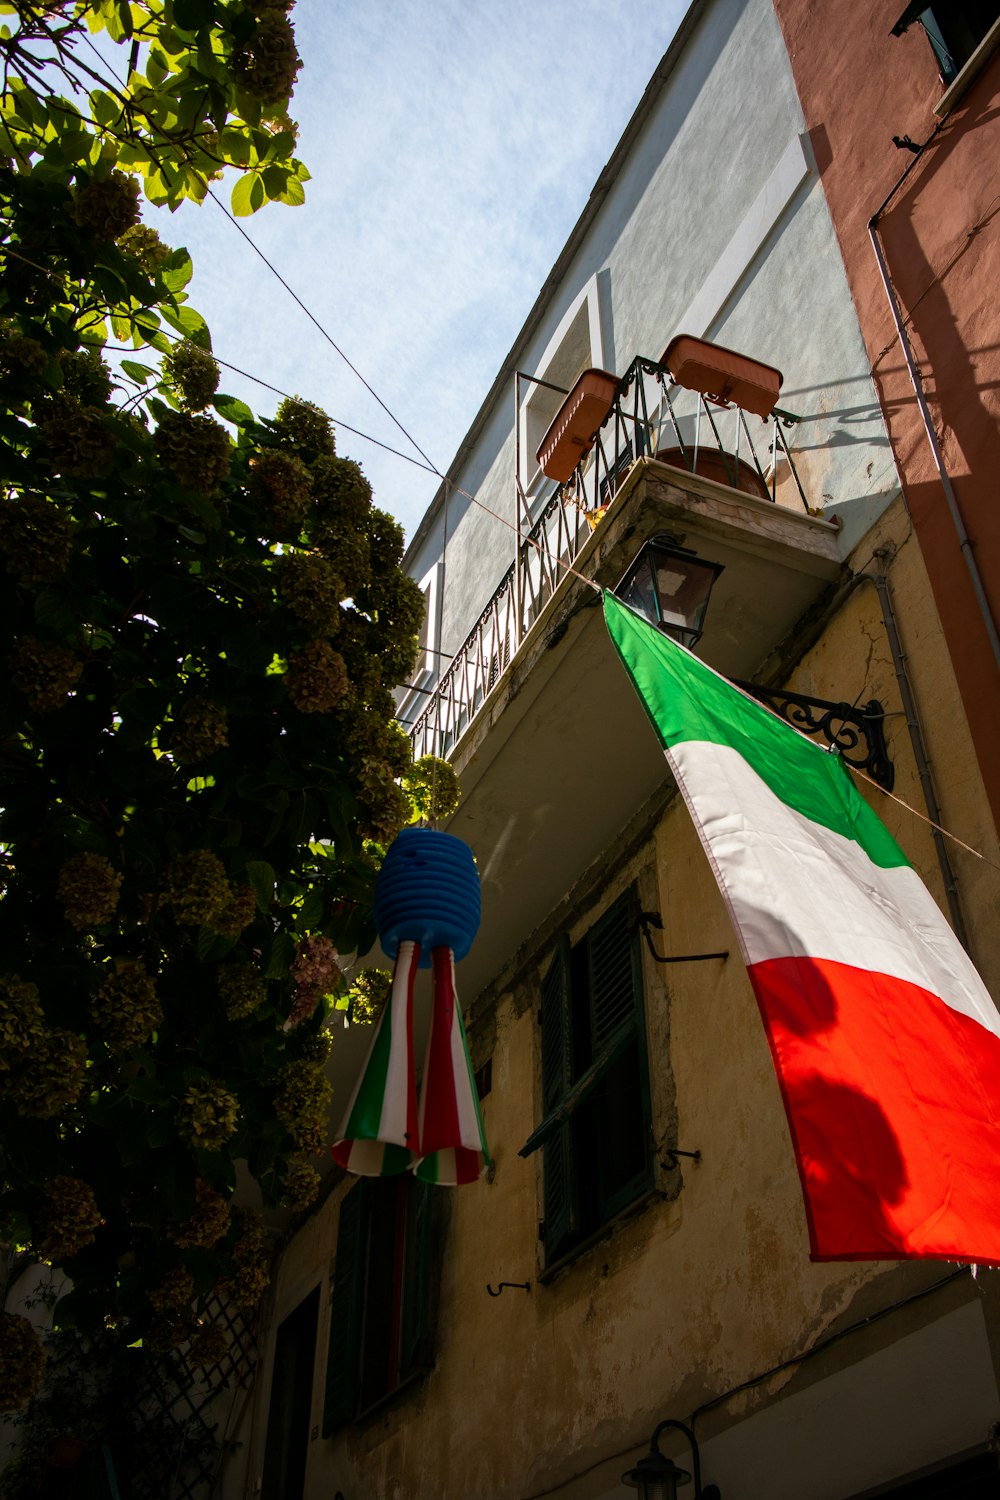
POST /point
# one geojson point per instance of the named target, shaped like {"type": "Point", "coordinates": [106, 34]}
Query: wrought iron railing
{"type": "Point", "coordinates": [653, 415]}
{"type": "Point", "coordinates": [706, 437]}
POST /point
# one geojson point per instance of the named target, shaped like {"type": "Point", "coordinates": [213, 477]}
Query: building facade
{"type": "Point", "coordinates": [637, 1250]}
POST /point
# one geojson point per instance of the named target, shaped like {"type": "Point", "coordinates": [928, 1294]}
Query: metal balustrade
{"type": "Point", "coordinates": [650, 416]}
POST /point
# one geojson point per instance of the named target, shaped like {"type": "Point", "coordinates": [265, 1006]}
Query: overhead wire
{"type": "Point", "coordinates": [428, 464]}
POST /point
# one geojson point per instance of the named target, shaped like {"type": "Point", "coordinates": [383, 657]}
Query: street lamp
{"type": "Point", "coordinates": [657, 1477]}
{"type": "Point", "coordinates": [669, 585]}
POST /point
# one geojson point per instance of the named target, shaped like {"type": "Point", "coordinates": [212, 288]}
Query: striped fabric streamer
{"type": "Point", "coordinates": [452, 1138]}
{"type": "Point", "coordinates": [379, 1133]}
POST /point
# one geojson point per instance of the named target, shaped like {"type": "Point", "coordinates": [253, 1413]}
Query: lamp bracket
{"type": "Point", "coordinates": [647, 919]}
{"type": "Point", "coordinates": [857, 733]}
{"type": "Point", "coordinates": [521, 1286]}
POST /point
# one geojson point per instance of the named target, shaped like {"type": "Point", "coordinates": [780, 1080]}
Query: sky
{"type": "Point", "coordinates": [452, 146]}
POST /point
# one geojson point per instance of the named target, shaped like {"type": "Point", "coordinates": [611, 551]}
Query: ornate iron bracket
{"type": "Point", "coordinates": [858, 733]}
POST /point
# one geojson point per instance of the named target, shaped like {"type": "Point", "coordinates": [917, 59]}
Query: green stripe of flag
{"type": "Point", "coordinates": [688, 701]}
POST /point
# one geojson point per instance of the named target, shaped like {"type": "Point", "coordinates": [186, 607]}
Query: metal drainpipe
{"type": "Point", "coordinates": [964, 540]}
{"type": "Point", "coordinates": [839, 599]}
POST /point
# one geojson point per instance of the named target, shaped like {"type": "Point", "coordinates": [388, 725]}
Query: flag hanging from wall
{"type": "Point", "coordinates": [884, 1038]}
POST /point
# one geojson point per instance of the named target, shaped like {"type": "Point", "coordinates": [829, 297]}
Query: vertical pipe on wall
{"type": "Point", "coordinates": [964, 540]}
{"type": "Point", "coordinates": [920, 755]}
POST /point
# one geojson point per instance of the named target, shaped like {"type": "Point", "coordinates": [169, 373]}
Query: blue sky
{"type": "Point", "coordinates": [452, 145]}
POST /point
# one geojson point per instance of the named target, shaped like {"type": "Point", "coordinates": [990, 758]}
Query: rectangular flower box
{"type": "Point", "coordinates": [722, 374]}
{"type": "Point", "coordinates": [575, 425]}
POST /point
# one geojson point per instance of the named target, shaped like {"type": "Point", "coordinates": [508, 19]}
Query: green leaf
{"type": "Point", "coordinates": [189, 322]}
{"type": "Point", "coordinates": [261, 877]}
{"type": "Point", "coordinates": [235, 147]}
{"type": "Point", "coordinates": [177, 270]}
{"type": "Point", "coordinates": [275, 180]}
{"type": "Point", "coordinates": [257, 197]}
{"type": "Point", "coordinates": [243, 194]}
{"type": "Point", "coordinates": [192, 15]}
{"type": "Point", "coordinates": [233, 410]}
{"type": "Point", "coordinates": [156, 68]}
{"type": "Point", "coordinates": [294, 193]}
{"type": "Point", "coordinates": [105, 109]}
{"type": "Point", "coordinates": [134, 370]}
{"type": "Point", "coordinates": [282, 954]}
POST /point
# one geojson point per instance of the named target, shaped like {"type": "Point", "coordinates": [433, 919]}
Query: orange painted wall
{"type": "Point", "coordinates": [859, 87]}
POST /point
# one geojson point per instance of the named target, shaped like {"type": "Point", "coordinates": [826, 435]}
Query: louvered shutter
{"type": "Point", "coordinates": [621, 1098]}
{"type": "Point", "coordinates": [560, 1202]}
{"type": "Point", "coordinates": [416, 1322]}
{"type": "Point", "coordinates": [347, 1309]}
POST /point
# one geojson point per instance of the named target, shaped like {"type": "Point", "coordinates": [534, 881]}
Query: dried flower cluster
{"type": "Point", "coordinates": [36, 538]}
{"type": "Point", "coordinates": [208, 1115]}
{"type": "Point", "coordinates": [316, 974]}
{"type": "Point", "coordinates": [88, 888]}
{"type": "Point", "coordinates": [107, 208]}
{"type": "Point", "coordinates": [366, 999]}
{"type": "Point", "coordinates": [300, 1185]}
{"type": "Point", "coordinates": [175, 1292]}
{"type": "Point", "coordinates": [194, 373]}
{"type": "Point", "coordinates": [208, 1222]}
{"type": "Point", "coordinates": [22, 1361]}
{"type": "Point", "coordinates": [241, 990]}
{"type": "Point", "coordinates": [45, 672]}
{"type": "Point", "coordinates": [197, 449]}
{"type": "Point", "coordinates": [125, 1007]}
{"type": "Point", "coordinates": [317, 678]}
{"type": "Point", "coordinates": [302, 1103]}
{"type": "Point", "coordinates": [67, 1219]}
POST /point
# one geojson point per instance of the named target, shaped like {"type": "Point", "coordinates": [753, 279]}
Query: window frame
{"type": "Point", "coordinates": [533, 414]}
{"type": "Point", "coordinates": [355, 1293]}
{"type": "Point", "coordinates": [566, 1087]}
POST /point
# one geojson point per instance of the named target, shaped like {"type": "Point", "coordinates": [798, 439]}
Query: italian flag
{"type": "Point", "coordinates": [885, 1040]}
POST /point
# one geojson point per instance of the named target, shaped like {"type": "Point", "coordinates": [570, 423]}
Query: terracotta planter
{"type": "Point", "coordinates": [712, 465]}
{"type": "Point", "coordinates": [575, 425]}
{"type": "Point", "coordinates": [722, 373]}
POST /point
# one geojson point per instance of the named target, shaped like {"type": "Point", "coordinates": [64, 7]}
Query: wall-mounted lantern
{"type": "Point", "coordinates": [670, 585]}
{"type": "Point", "coordinates": [657, 1477]}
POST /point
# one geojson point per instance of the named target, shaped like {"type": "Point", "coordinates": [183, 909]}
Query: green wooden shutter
{"type": "Point", "coordinates": [347, 1309]}
{"type": "Point", "coordinates": [416, 1320]}
{"type": "Point", "coordinates": [561, 1211]}
{"type": "Point", "coordinates": [624, 1158]}
{"type": "Point", "coordinates": [613, 987]}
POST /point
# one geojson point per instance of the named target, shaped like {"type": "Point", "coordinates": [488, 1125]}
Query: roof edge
{"type": "Point", "coordinates": [598, 193]}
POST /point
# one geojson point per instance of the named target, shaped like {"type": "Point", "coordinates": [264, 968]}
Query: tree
{"type": "Point", "coordinates": [198, 756]}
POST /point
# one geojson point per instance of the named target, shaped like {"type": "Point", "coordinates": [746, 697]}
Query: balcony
{"type": "Point", "coordinates": [668, 426]}
{"type": "Point", "coordinates": [554, 752]}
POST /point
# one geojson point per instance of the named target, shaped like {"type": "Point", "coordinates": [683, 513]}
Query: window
{"type": "Point", "coordinates": [954, 29]}
{"type": "Point", "coordinates": [287, 1440]}
{"type": "Point", "coordinates": [380, 1308]}
{"type": "Point", "coordinates": [576, 345]}
{"type": "Point", "coordinates": [595, 1137]}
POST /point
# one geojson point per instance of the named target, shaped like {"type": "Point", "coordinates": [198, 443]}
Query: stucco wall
{"type": "Point", "coordinates": [860, 87]}
{"type": "Point", "coordinates": [714, 224]}
{"type": "Point", "coordinates": [553, 1391]}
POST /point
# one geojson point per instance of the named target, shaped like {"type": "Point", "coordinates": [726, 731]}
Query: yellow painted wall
{"type": "Point", "coordinates": [553, 1391]}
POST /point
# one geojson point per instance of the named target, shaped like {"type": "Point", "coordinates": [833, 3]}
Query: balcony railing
{"type": "Point", "coordinates": [650, 415]}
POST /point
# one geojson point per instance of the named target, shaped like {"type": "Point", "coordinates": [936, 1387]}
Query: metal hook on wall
{"type": "Point", "coordinates": [669, 1160]}
{"type": "Point", "coordinates": [523, 1286]}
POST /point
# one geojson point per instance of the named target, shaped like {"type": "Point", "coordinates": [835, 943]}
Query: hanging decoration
{"type": "Point", "coordinates": [427, 914]}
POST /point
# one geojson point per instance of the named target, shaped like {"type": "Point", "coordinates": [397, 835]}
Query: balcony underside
{"type": "Point", "coordinates": [560, 756]}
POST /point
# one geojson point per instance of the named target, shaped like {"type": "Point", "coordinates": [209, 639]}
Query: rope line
{"type": "Point", "coordinates": [317, 324]}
